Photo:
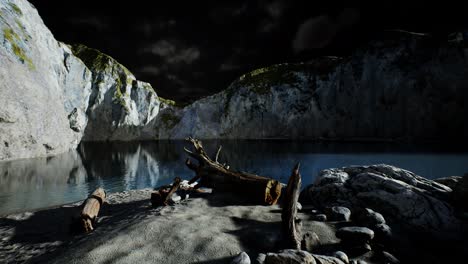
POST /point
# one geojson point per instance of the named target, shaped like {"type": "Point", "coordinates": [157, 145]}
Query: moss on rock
{"type": "Point", "coordinates": [261, 80]}
{"type": "Point", "coordinates": [167, 101]}
{"type": "Point", "coordinates": [10, 35]}
{"type": "Point", "coordinates": [93, 59]}
{"type": "Point", "coordinates": [15, 8]}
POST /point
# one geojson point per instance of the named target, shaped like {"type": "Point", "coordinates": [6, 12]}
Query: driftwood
{"type": "Point", "coordinates": [256, 189]}
{"type": "Point", "coordinates": [162, 196]}
{"type": "Point", "coordinates": [90, 211]}
{"type": "Point", "coordinates": [291, 227]}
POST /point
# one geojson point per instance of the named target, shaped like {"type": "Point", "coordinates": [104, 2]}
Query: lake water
{"type": "Point", "coordinates": [37, 183]}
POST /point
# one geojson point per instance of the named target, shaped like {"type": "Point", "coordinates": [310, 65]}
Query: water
{"type": "Point", "coordinates": [38, 183]}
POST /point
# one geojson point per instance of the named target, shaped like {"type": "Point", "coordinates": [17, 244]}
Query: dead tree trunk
{"type": "Point", "coordinates": [162, 196]}
{"type": "Point", "coordinates": [215, 175]}
{"type": "Point", "coordinates": [291, 228]}
{"type": "Point", "coordinates": [90, 211]}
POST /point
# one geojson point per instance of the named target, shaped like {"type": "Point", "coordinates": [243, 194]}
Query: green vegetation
{"type": "Point", "coordinates": [167, 101]}
{"type": "Point", "coordinates": [119, 96]}
{"type": "Point", "coordinates": [169, 119]}
{"type": "Point", "coordinates": [95, 60]}
{"type": "Point", "coordinates": [16, 8]}
{"type": "Point", "coordinates": [13, 39]}
{"type": "Point", "coordinates": [23, 29]}
{"type": "Point", "coordinates": [261, 80]}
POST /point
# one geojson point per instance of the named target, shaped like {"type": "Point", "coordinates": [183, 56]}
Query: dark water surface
{"type": "Point", "coordinates": [36, 183]}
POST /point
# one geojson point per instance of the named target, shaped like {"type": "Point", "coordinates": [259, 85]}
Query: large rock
{"type": "Point", "coordinates": [402, 86]}
{"type": "Point", "coordinates": [44, 89]}
{"type": "Point", "coordinates": [459, 185]}
{"type": "Point", "coordinates": [121, 107]}
{"type": "Point", "coordinates": [409, 201]}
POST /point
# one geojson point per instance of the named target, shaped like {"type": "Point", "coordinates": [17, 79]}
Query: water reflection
{"type": "Point", "coordinates": [36, 183]}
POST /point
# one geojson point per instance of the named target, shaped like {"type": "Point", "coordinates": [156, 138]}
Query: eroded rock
{"type": "Point", "coordinates": [42, 85]}
{"type": "Point", "coordinates": [414, 203]}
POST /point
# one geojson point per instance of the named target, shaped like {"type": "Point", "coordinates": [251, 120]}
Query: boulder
{"type": "Point", "coordinates": [338, 213]}
{"type": "Point", "coordinates": [319, 217]}
{"type": "Point", "coordinates": [242, 258]}
{"type": "Point", "coordinates": [410, 201]}
{"type": "Point", "coordinates": [44, 88]}
{"type": "Point", "coordinates": [450, 181]}
{"type": "Point", "coordinates": [368, 218]}
{"type": "Point", "coordinates": [355, 234]}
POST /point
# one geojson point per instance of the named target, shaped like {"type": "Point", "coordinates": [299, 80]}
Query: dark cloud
{"type": "Point", "coordinates": [189, 49]}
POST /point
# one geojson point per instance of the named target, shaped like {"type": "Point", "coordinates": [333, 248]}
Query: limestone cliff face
{"type": "Point", "coordinates": [120, 107]}
{"type": "Point", "coordinates": [44, 89]}
{"type": "Point", "coordinates": [403, 86]}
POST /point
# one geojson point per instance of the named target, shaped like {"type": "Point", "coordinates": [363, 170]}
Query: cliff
{"type": "Point", "coordinates": [401, 86]}
{"type": "Point", "coordinates": [404, 86]}
{"type": "Point", "coordinates": [44, 89]}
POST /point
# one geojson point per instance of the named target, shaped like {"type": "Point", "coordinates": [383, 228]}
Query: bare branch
{"type": "Point", "coordinates": [217, 153]}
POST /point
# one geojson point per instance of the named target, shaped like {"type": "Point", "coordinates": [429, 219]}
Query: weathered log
{"type": "Point", "coordinates": [90, 211]}
{"type": "Point", "coordinates": [162, 196]}
{"type": "Point", "coordinates": [291, 230]}
{"type": "Point", "coordinates": [255, 188]}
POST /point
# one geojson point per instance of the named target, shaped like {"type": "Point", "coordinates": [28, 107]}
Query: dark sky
{"type": "Point", "coordinates": [190, 49]}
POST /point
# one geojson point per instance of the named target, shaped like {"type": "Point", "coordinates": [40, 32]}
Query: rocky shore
{"type": "Point", "coordinates": [396, 217]}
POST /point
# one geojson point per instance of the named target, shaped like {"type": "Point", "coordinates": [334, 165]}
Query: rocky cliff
{"type": "Point", "coordinates": [120, 107]}
{"type": "Point", "coordinates": [405, 86]}
{"type": "Point", "coordinates": [54, 95]}
{"type": "Point", "coordinates": [44, 89]}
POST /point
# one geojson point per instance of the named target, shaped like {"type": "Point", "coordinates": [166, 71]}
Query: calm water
{"type": "Point", "coordinates": [37, 183]}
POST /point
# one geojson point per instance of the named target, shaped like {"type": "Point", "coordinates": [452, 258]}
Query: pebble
{"type": "Point", "coordinates": [242, 258]}
{"type": "Point", "coordinates": [319, 217]}
{"type": "Point", "coordinates": [299, 206]}
{"type": "Point", "coordinates": [339, 213]}
{"type": "Point", "coordinates": [341, 256]}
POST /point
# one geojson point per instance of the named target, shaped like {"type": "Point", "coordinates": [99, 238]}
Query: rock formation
{"type": "Point", "coordinates": [120, 107]}
{"type": "Point", "coordinates": [401, 87]}
{"type": "Point", "coordinates": [408, 201]}
{"type": "Point", "coordinates": [44, 89]}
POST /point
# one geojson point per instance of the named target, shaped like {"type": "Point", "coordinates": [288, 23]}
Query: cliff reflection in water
{"type": "Point", "coordinates": [35, 183]}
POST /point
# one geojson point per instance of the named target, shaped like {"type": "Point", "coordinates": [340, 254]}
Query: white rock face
{"type": "Point", "coordinates": [44, 89]}
{"type": "Point", "coordinates": [403, 87]}
{"type": "Point", "coordinates": [120, 106]}
{"type": "Point", "coordinates": [411, 202]}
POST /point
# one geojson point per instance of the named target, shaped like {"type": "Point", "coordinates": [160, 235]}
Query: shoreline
{"type": "Point", "coordinates": [213, 228]}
